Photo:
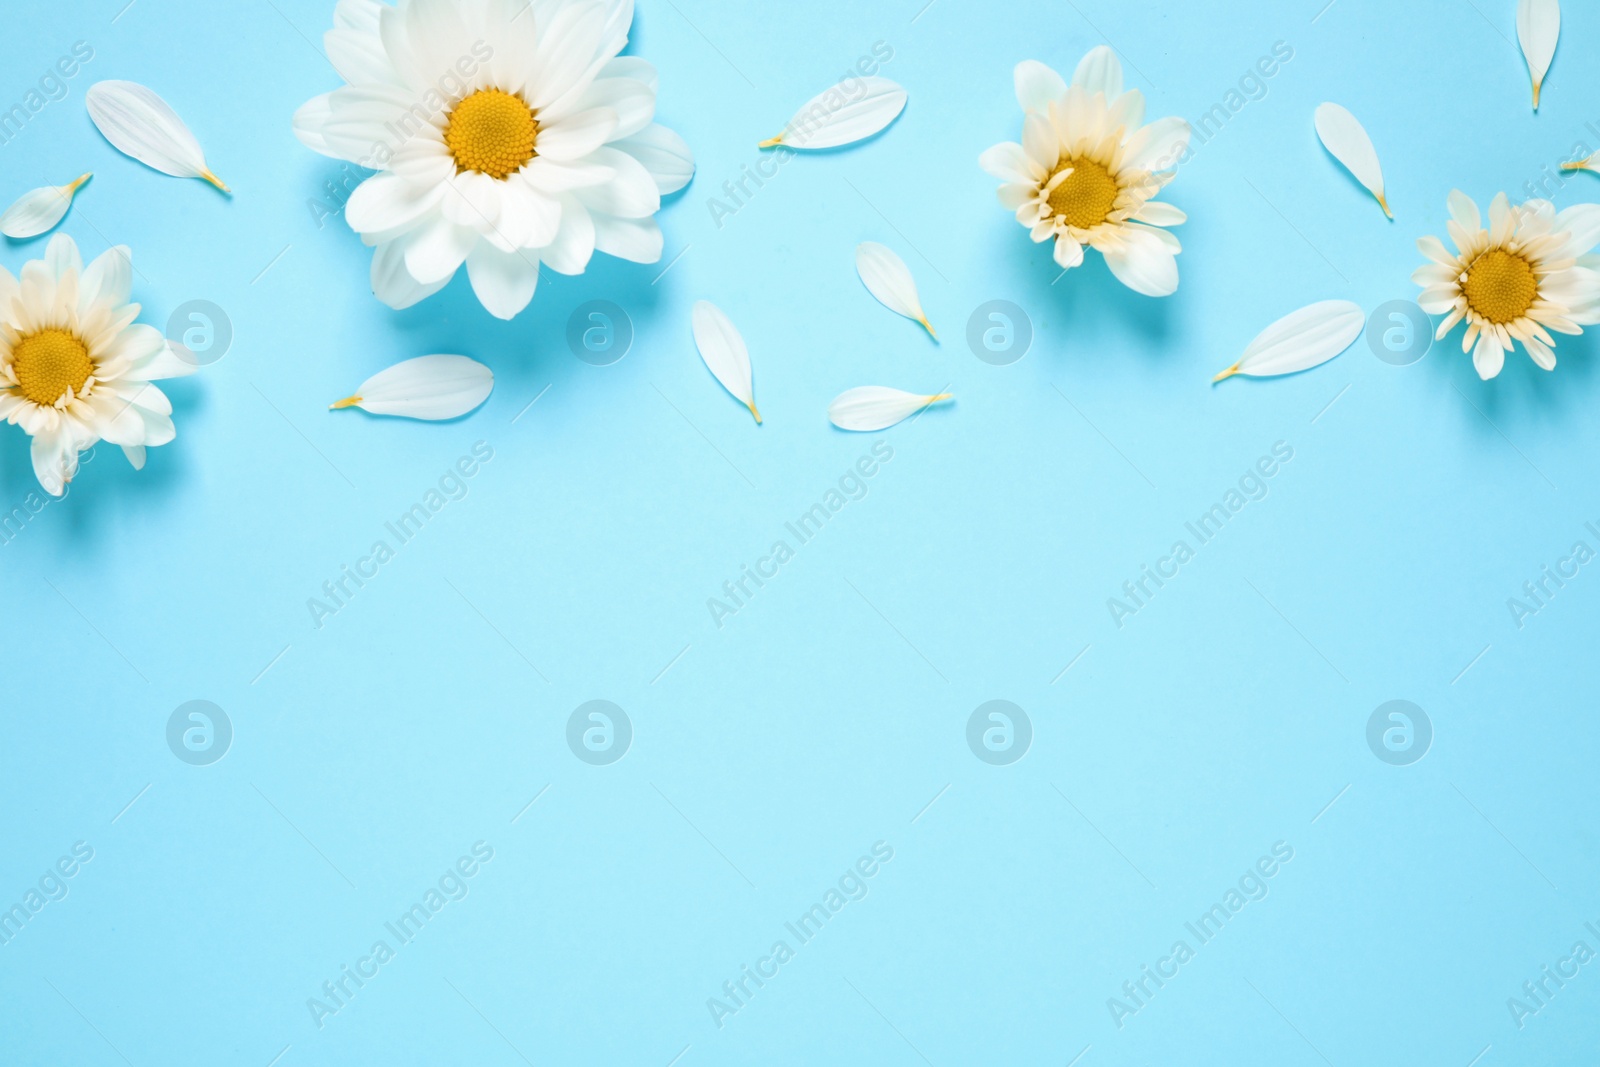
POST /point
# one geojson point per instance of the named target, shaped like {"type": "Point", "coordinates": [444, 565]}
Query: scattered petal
{"type": "Point", "coordinates": [724, 352]}
{"type": "Point", "coordinates": [1587, 163]}
{"type": "Point", "coordinates": [887, 278]}
{"type": "Point", "coordinates": [828, 120]}
{"type": "Point", "coordinates": [877, 407]}
{"type": "Point", "coordinates": [39, 211]}
{"type": "Point", "coordinates": [140, 124]}
{"type": "Point", "coordinates": [1538, 29]}
{"type": "Point", "coordinates": [1347, 139]}
{"type": "Point", "coordinates": [1302, 340]}
{"type": "Point", "coordinates": [428, 387]}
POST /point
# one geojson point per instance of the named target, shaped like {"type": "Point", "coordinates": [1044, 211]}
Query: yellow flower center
{"type": "Point", "coordinates": [50, 362]}
{"type": "Point", "coordinates": [1086, 196]}
{"type": "Point", "coordinates": [491, 132]}
{"type": "Point", "coordinates": [1500, 286]}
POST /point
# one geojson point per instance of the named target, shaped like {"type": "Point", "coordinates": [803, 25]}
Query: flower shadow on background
{"type": "Point", "coordinates": [107, 490]}
{"type": "Point", "coordinates": [1523, 402]}
{"type": "Point", "coordinates": [1089, 304]}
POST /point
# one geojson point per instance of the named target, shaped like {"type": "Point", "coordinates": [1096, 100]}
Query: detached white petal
{"type": "Point", "coordinates": [40, 210]}
{"type": "Point", "coordinates": [1299, 341]}
{"type": "Point", "coordinates": [724, 352]}
{"type": "Point", "coordinates": [877, 407]}
{"type": "Point", "coordinates": [1538, 29]}
{"type": "Point", "coordinates": [140, 124]}
{"type": "Point", "coordinates": [1586, 163]}
{"type": "Point", "coordinates": [1347, 139]}
{"type": "Point", "coordinates": [887, 277]}
{"type": "Point", "coordinates": [428, 387]}
{"type": "Point", "coordinates": [831, 119]}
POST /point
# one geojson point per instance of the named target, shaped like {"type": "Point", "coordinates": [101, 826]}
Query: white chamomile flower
{"type": "Point", "coordinates": [1087, 171]}
{"type": "Point", "coordinates": [75, 368]}
{"type": "Point", "coordinates": [505, 133]}
{"type": "Point", "coordinates": [1531, 271]}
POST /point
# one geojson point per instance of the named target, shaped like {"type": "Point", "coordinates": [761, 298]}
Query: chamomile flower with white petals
{"type": "Point", "coordinates": [75, 368]}
{"type": "Point", "coordinates": [505, 133]}
{"type": "Point", "coordinates": [1530, 272]}
{"type": "Point", "coordinates": [1088, 169]}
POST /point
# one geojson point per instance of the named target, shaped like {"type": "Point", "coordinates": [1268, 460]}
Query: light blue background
{"type": "Point", "coordinates": [770, 754]}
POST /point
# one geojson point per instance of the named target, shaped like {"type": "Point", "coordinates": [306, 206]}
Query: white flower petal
{"type": "Point", "coordinates": [887, 278]}
{"type": "Point", "coordinates": [1039, 140]}
{"type": "Point", "coordinates": [1488, 357]}
{"type": "Point", "coordinates": [1582, 221]}
{"type": "Point", "coordinates": [1068, 253]}
{"type": "Point", "coordinates": [39, 210]}
{"type": "Point", "coordinates": [392, 283]}
{"type": "Point", "coordinates": [1157, 213]}
{"type": "Point", "coordinates": [1037, 85]}
{"type": "Point", "coordinates": [567, 45]}
{"type": "Point", "coordinates": [55, 458]}
{"type": "Point", "coordinates": [109, 280]}
{"type": "Point", "coordinates": [1502, 219]}
{"type": "Point", "coordinates": [61, 256]}
{"type": "Point", "coordinates": [140, 124]}
{"type": "Point", "coordinates": [724, 352]}
{"type": "Point", "coordinates": [1099, 72]}
{"type": "Point", "coordinates": [832, 118]}
{"type": "Point", "coordinates": [1143, 262]}
{"type": "Point", "coordinates": [310, 122]}
{"type": "Point", "coordinates": [635, 240]}
{"type": "Point", "coordinates": [428, 387]}
{"type": "Point", "coordinates": [1538, 29]}
{"type": "Point", "coordinates": [503, 281]}
{"type": "Point", "coordinates": [663, 153]}
{"type": "Point", "coordinates": [1301, 340]}
{"type": "Point", "coordinates": [575, 137]}
{"type": "Point", "coordinates": [1541, 354]}
{"type": "Point", "coordinates": [438, 251]}
{"type": "Point", "coordinates": [1158, 146]}
{"type": "Point", "coordinates": [1010, 162]}
{"type": "Point", "coordinates": [877, 407]}
{"type": "Point", "coordinates": [1464, 210]}
{"type": "Point", "coordinates": [633, 102]}
{"type": "Point", "coordinates": [1344, 136]}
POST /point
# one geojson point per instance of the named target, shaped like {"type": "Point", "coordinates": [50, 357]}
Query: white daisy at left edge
{"type": "Point", "coordinates": [505, 134]}
{"type": "Point", "coordinates": [75, 369]}
{"type": "Point", "coordinates": [1088, 170]}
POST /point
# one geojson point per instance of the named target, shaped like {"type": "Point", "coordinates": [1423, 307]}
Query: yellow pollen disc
{"type": "Point", "coordinates": [1500, 286]}
{"type": "Point", "coordinates": [1086, 196]}
{"type": "Point", "coordinates": [50, 362]}
{"type": "Point", "coordinates": [491, 132]}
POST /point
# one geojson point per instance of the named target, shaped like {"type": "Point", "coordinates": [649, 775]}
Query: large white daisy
{"type": "Point", "coordinates": [1531, 271]}
{"type": "Point", "coordinates": [1087, 171]}
{"type": "Point", "coordinates": [75, 368]}
{"type": "Point", "coordinates": [505, 133]}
